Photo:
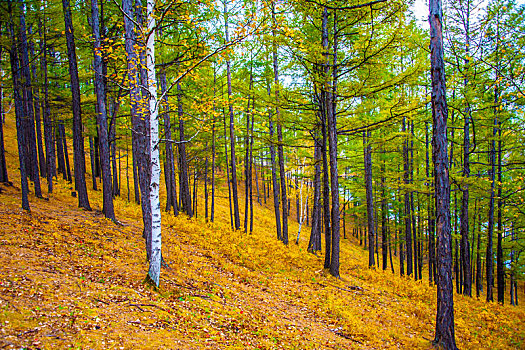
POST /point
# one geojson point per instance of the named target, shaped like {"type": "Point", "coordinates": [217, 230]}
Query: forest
{"type": "Point", "coordinates": [262, 174]}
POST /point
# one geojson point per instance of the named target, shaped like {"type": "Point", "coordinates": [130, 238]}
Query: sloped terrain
{"type": "Point", "coordinates": [72, 279]}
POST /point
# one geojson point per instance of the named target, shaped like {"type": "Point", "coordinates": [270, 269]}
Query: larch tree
{"type": "Point", "coordinates": [444, 334]}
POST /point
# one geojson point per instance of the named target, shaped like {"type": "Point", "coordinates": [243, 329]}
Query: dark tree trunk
{"type": "Point", "coordinates": [430, 219]}
{"type": "Point", "coordinates": [233, 159]}
{"type": "Point", "coordinates": [28, 105]}
{"type": "Point", "coordinates": [500, 264]}
{"type": "Point", "coordinates": [384, 215]}
{"type": "Point", "coordinates": [3, 165]}
{"type": "Point", "coordinates": [206, 186]}
{"type": "Point", "coordinates": [17, 85]}
{"type": "Point", "coordinates": [275, 185]}
{"type": "Point", "coordinates": [334, 180]}
{"type": "Point", "coordinates": [97, 155]}
{"type": "Point", "coordinates": [227, 169]}
{"type": "Point", "coordinates": [183, 164]}
{"type": "Point", "coordinates": [369, 196]}
{"type": "Point", "coordinates": [490, 231]}
{"type": "Point", "coordinates": [479, 271]}
{"type": "Point", "coordinates": [131, 57]}
{"type": "Point", "coordinates": [408, 221]}
{"type": "Point", "coordinates": [67, 168]}
{"type": "Point", "coordinates": [212, 207]}
{"type": "Point", "coordinates": [315, 235]}
{"type": "Point", "coordinates": [247, 159]}
{"type": "Point", "coordinates": [112, 140]}
{"type": "Point", "coordinates": [78, 140]}
{"type": "Point", "coordinates": [60, 152]}
{"type": "Point", "coordinates": [36, 104]}
{"type": "Point", "coordinates": [280, 146]}
{"type": "Point", "coordinates": [92, 159]}
{"type": "Point", "coordinates": [326, 196]}
{"type": "Point", "coordinates": [107, 196]}
{"type": "Point", "coordinates": [169, 165]}
{"type": "Point", "coordinates": [445, 303]}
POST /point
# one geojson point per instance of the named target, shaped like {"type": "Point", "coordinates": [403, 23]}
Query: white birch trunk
{"type": "Point", "coordinates": [155, 254]}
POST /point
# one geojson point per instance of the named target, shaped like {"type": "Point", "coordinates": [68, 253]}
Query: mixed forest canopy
{"type": "Point", "coordinates": [346, 117]}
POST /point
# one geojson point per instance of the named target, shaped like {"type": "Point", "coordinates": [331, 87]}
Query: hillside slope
{"type": "Point", "coordinates": [72, 279]}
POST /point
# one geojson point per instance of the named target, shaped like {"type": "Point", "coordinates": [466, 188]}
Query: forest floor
{"type": "Point", "coordinates": [72, 279]}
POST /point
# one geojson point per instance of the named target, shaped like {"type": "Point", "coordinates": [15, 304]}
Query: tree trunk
{"type": "Point", "coordinates": [275, 185]}
{"type": "Point", "coordinates": [369, 196]}
{"type": "Point", "coordinates": [444, 335]}
{"type": "Point", "coordinates": [384, 215]}
{"type": "Point", "coordinates": [28, 104]}
{"type": "Point", "coordinates": [46, 111]}
{"type": "Point", "coordinates": [280, 146]}
{"type": "Point", "coordinates": [107, 196]}
{"type": "Point", "coordinates": [17, 85]}
{"type": "Point", "coordinates": [315, 235]}
{"type": "Point", "coordinates": [169, 173]}
{"type": "Point", "coordinates": [155, 255]}
{"type": "Point", "coordinates": [227, 169]}
{"type": "Point", "coordinates": [92, 159]}
{"type": "Point", "coordinates": [36, 104]}
{"type": "Point", "coordinates": [233, 159]}
{"type": "Point", "coordinates": [500, 264]}
{"type": "Point", "coordinates": [67, 169]}
{"type": "Point", "coordinates": [183, 164]}
{"type": "Point", "coordinates": [78, 140]}
{"type": "Point", "coordinates": [408, 221]}
{"type": "Point", "coordinates": [3, 165]}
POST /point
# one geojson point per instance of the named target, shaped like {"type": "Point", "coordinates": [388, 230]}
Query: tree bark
{"type": "Point", "coordinates": [275, 185]}
{"type": "Point", "coordinates": [280, 146]}
{"type": "Point", "coordinates": [15, 76]}
{"type": "Point", "coordinates": [156, 238]}
{"type": "Point", "coordinates": [369, 196]}
{"type": "Point", "coordinates": [78, 140]}
{"type": "Point", "coordinates": [233, 159]}
{"type": "Point", "coordinates": [408, 221]}
{"type": "Point", "coordinates": [107, 195]}
{"type": "Point", "coordinates": [444, 334]}
{"type": "Point", "coordinates": [29, 105]}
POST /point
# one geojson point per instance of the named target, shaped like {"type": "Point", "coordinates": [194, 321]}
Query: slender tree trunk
{"type": "Point", "coordinates": [3, 165]}
{"type": "Point", "coordinates": [60, 152]}
{"type": "Point", "coordinates": [78, 140]}
{"type": "Point", "coordinates": [156, 238]}
{"type": "Point", "coordinates": [48, 127]}
{"type": "Point", "coordinates": [326, 196]}
{"type": "Point", "coordinates": [479, 271]}
{"type": "Point", "coordinates": [408, 221]}
{"type": "Point", "coordinates": [107, 196]}
{"type": "Point", "coordinates": [384, 215]}
{"type": "Point", "coordinates": [315, 235]}
{"type": "Point", "coordinates": [169, 173]}
{"type": "Point", "coordinates": [430, 219]}
{"type": "Point", "coordinates": [444, 335]}
{"type": "Point", "coordinates": [67, 169]}
{"type": "Point", "coordinates": [183, 164]}
{"type": "Point", "coordinates": [490, 231]}
{"type": "Point", "coordinates": [233, 159]}
{"type": "Point", "coordinates": [275, 185]}
{"type": "Point", "coordinates": [369, 196]}
{"type": "Point", "coordinates": [212, 208]}
{"type": "Point", "coordinates": [500, 264]}
{"type": "Point", "coordinates": [280, 146]}
{"type": "Point", "coordinates": [28, 104]}
{"type": "Point", "coordinates": [227, 169]}
{"type": "Point", "coordinates": [17, 85]}
{"type": "Point", "coordinates": [36, 104]}
{"type": "Point", "coordinates": [92, 159]}
{"type": "Point", "coordinates": [334, 179]}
